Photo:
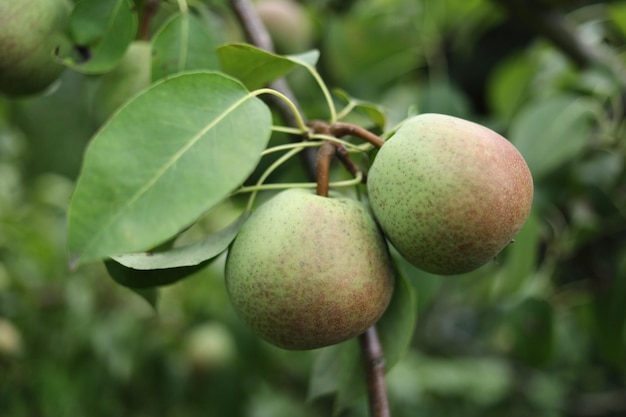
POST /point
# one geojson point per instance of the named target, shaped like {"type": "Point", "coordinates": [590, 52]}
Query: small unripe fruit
{"type": "Point", "coordinates": [31, 32]}
{"type": "Point", "coordinates": [307, 271]}
{"type": "Point", "coordinates": [448, 193]}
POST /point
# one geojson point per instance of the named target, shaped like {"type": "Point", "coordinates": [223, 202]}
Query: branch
{"type": "Point", "coordinates": [149, 10]}
{"type": "Point", "coordinates": [553, 26]}
{"type": "Point", "coordinates": [340, 129]}
{"type": "Point", "coordinates": [374, 362]}
{"type": "Point", "coordinates": [257, 35]}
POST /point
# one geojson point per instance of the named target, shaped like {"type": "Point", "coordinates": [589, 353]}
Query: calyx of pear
{"type": "Point", "coordinates": [449, 194]}
{"type": "Point", "coordinates": [31, 33]}
{"type": "Point", "coordinates": [307, 271]}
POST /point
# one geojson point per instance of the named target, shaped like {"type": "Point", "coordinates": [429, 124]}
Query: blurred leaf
{"type": "Point", "coordinates": [256, 67]}
{"type": "Point", "coordinates": [601, 169]}
{"type": "Point", "coordinates": [483, 380]}
{"type": "Point", "coordinates": [374, 112]}
{"type": "Point", "coordinates": [372, 48]}
{"type": "Point", "coordinates": [532, 326]}
{"type": "Point", "coordinates": [102, 30]}
{"type": "Point", "coordinates": [188, 255]}
{"type": "Point", "coordinates": [56, 127]}
{"type": "Point", "coordinates": [609, 308]}
{"type": "Point", "coordinates": [168, 155]}
{"type": "Point", "coordinates": [551, 132]}
{"type": "Point", "coordinates": [146, 279]}
{"type": "Point", "coordinates": [520, 259]}
{"type": "Point", "coordinates": [150, 295]}
{"type": "Point", "coordinates": [425, 285]}
{"type": "Point", "coordinates": [183, 43]}
{"type": "Point", "coordinates": [440, 96]}
{"type": "Point", "coordinates": [339, 369]}
{"type": "Point", "coordinates": [617, 14]}
{"type": "Point", "coordinates": [509, 85]}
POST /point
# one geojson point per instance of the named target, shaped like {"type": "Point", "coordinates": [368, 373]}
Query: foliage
{"type": "Point", "coordinates": [540, 330]}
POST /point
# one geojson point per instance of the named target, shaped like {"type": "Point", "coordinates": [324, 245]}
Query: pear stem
{"type": "Point", "coordinates": [324, 157]}
{"type": "Point", "coordinates": [374, 361]}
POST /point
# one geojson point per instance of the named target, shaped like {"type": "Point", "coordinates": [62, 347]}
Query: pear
{"type": "Point", "coordinates": [448, 193]}
{"type": "Point", "coordinates": [31, 33]}
{"type": "Point", "coordinates": [307, 271]}
{"type": "Point", "coordinates": [130, 76]}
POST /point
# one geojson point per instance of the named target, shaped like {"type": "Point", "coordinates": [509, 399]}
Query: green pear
{"type": "Point", "coordinates": [448, 193]}
{"type": "Point", "coordinates": [130, 76]}
{"type": "Point", "coordinates": [31, 33]}
{"type": "Point", "coordinates": [307, 271]}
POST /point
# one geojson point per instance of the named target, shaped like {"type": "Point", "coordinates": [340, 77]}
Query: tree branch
{"type": "Point", "coordinates": [374, 362]}
{"type": "Point", "coordinates": [554, 27]}
{"type": "Point", "coordinates": [257, 35]}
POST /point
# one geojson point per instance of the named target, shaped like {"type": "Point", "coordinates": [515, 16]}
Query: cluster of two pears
{"type": "Point", "coordinates": [307, 271]}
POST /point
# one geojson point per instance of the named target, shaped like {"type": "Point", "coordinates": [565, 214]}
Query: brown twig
{"type": "Point", "coordinates": [374, 362]}
{"type": "Point", "coordinates": [340, 129]}
{"type": "Point", "coordinates": [351, 166]}
{"type": "Point", "coordinates": [325, 155]}
{"type": "Point", "coordinates": [257, 35]}
{"type": "Point", "coordinates": [149, 10]}
{"type": "Point", "coordinates": [318, 126]}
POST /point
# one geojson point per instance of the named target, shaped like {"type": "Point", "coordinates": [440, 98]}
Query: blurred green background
{"type": "Point", "coordinates": [540, 331]}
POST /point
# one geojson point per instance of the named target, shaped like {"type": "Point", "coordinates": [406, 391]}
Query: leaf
{"type": "Point", "coordinates": [167, 156]}
{"type": "Point", "coordinates": [256, 67]}
{"type": "Point", "coordinates": [532, 326]}
{"type": "Point", "coordinates": [101, 30]}
{"type": "Point", "coordinates": [188, 255]}
{"type": "Point", "coordinates": [343, 363]}
{"type": "Point", "coordinates": [551, 132]}
{"type": "Point", "coordinates": [147, 279]}
{"type": "Point", "coordinates": [609, 313]}
{"type": "Point", "coordinates": [374, 112]}
{"type": "Point", "coordinates": [181, 44]}
{"type": "Point", "coordinates": [520, 260]}
{"type": "Point", "coordinates": [508, 87]}
{"type": "Point", "coordinates": [150, 295]}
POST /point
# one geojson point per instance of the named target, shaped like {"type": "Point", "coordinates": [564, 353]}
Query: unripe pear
{"type": "Point", "coordinates": [31, 32]}
{"type": "Point", "coordinates": [307, 271]}
{"type": "Point", "coordinates": [448, 193]}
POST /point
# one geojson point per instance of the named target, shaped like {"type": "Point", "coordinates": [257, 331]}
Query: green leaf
{"type": "Point", "coordinates": [617, 14]}
{"type": "Point", "coordinates": [532, 326]}
{"type": "Point", "coordinates": [183, 43]}
{"type": "Point", "coordinates": [188, 255]}
{"type": "Point", "coordinates": [520, 260]}
{"type": "Point", "coordinates": [147, 279]}
{"type": "Point", "coordinates": [102, 30]}
{"type": "Point", "coordinates": [168, 155]}
{"type": "Point", "coordinates": [508, 87]}
{"type": "Point", "coordinates": [256, 67]}
{"type": "Point", "coordinates": [373, 112]}
{"type": "Point", "coordinates": [551, 132]}
{"type": "Point", "coordinates": [609, 312]}
{"type": "Point", "coordinates": [150, 295]}
{"type": "Point", "coordinates": [339, 369]}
